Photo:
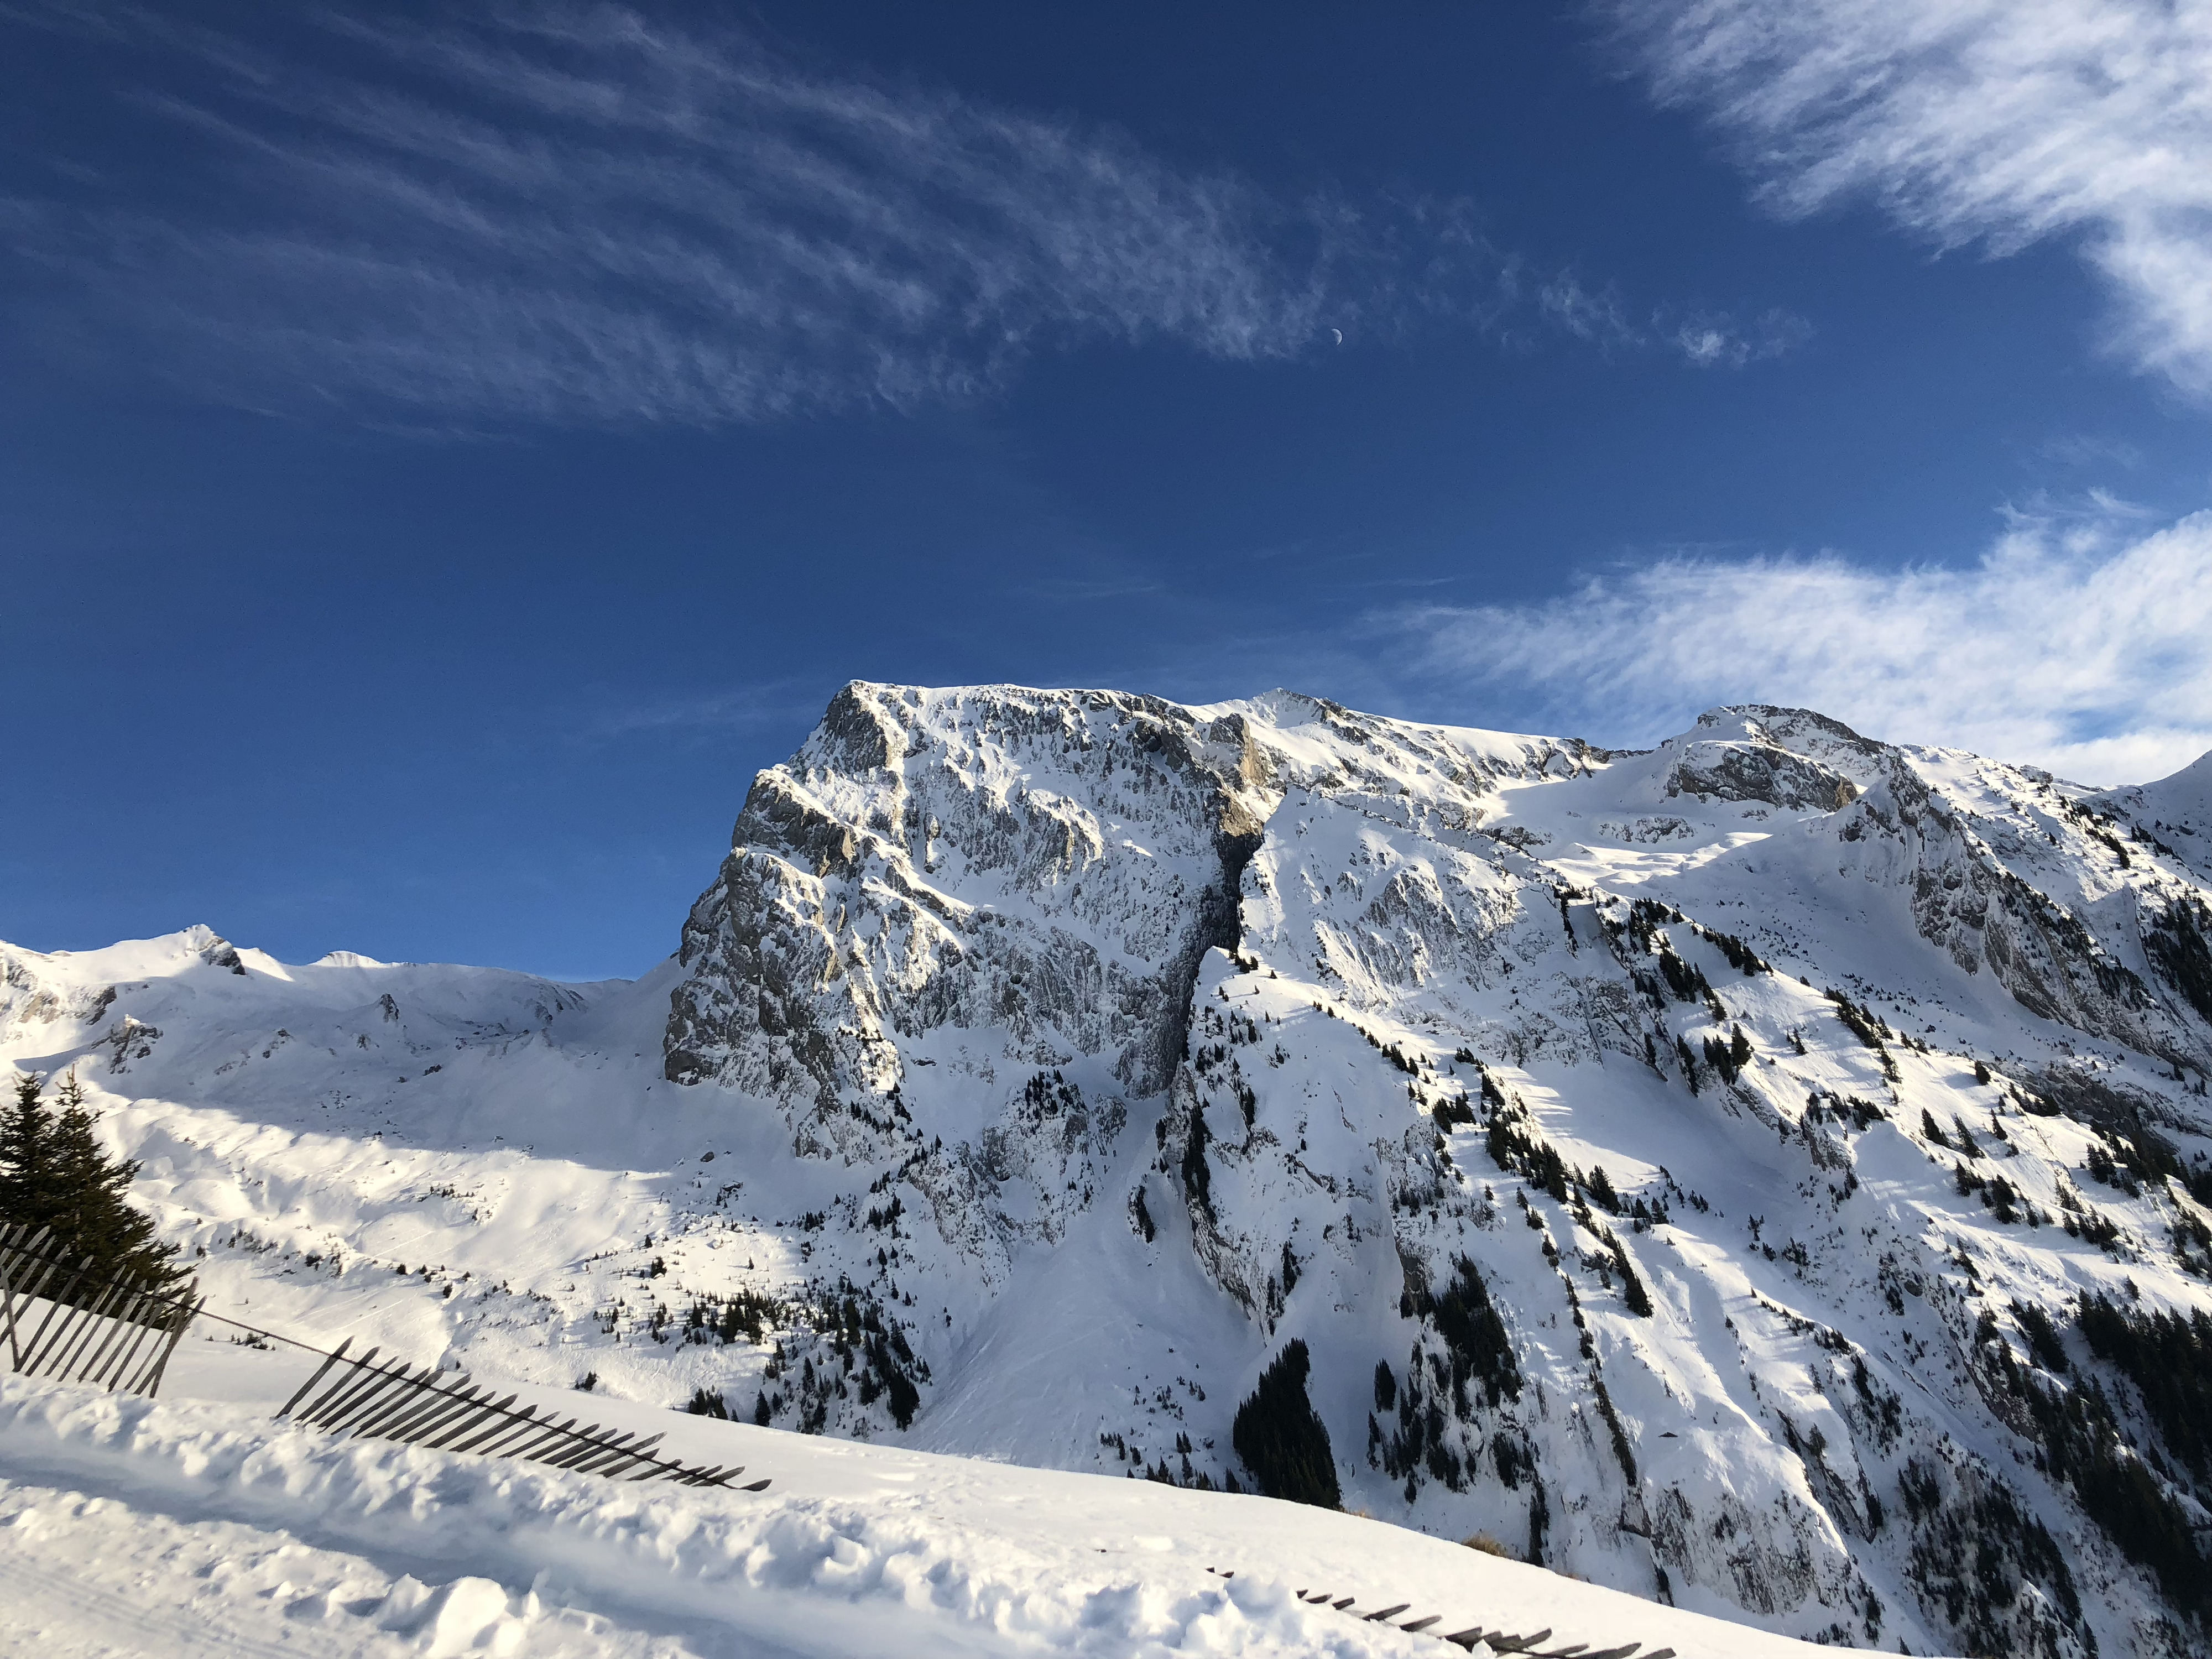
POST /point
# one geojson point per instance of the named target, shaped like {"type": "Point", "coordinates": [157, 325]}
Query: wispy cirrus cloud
{"type": "Point", "coordinates": [2080, 639]}
{"type": "Point", "coordinates": [1719, 340]}
{"type": "Point", "coordinates": [1997, 122]}
{"type": "Point", "coordinates": [590, 214]}
{"type": "Point", "coordinates": [1703, 340]}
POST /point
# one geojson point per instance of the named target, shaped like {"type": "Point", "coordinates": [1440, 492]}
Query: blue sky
{"type": "Point", "coordinates": [445, 451]}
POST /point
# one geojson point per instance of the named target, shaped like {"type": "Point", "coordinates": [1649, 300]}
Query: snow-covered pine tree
{"type": "Point", "coordinates": [54, 1174]}
{"type": "Point", "coordinates": [26, 1154]}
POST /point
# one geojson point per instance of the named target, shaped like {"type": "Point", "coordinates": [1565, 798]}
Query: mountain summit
{"type": "Point", "coordinates": [1766, 1172]}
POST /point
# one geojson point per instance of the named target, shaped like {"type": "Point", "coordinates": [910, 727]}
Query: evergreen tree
{"type": "Point", "coordinates": [1600, 1189]}
{"type": "Point", "coordinates": [27, 1182]}
{"type": "Point", "coordinates": [1632, 1285]}
{"type": "Point", "coordinates": [1281, 1437]}
{"type": "Point", "coordinates": [53, 1174]}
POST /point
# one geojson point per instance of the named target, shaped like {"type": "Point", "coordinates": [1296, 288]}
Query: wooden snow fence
{"type": "Point", "coordinates": [445, 1412]}
{"type": "Point", "coordinates": [1500, 1641]}
{"type": "Point", "coordinates": [73, 1322]}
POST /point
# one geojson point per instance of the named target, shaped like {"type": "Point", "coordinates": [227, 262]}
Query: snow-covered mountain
{"type": "Point", "coordinates": [1767, 1173]}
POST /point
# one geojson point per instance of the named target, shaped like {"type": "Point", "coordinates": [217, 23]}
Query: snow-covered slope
{"type": "Point", "coordinates": [1684, 1166]}
{"type": "Point", "coordinates": [188, 1528]}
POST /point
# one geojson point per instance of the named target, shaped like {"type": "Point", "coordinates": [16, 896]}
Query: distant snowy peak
{"type": "Point", "coordinates": [1786, 757]}
{"type": "Point", "coordinates": [2173, 814]}
{"type": "Point", "coordinates": [63, 991]}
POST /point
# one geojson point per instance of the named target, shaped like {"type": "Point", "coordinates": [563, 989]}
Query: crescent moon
{"type": "Point", "coordinates": [1339, 334]}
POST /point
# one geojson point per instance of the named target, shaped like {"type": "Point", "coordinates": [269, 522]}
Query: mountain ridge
{"type": "Point", "coordinates": [1054, 1058]}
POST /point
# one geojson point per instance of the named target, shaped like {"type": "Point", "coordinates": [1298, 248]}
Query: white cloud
{"type": "Point", "coordinates": [583, 214]}
{"type": "Point", "coordinates": [1703, 340]}
{"type": "Point", "coordinates": [586, 217]}
{"type": "Point", "coordinates": [2077, 641]}
{"type": "Point", "coordinates": [2000, 122]}
{"type": "Point", "coordinates": [1717, 340]}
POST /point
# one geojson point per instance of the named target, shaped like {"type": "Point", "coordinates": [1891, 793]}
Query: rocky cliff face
{"type": "Point", "coordinates": [1027, 881]}
{"type": "Point", "coordinates": [942, 898]}
{"type": "Point", "coordinates": [1769, 1171]}
{"type": "Point", "coordinates": [1377, 1023]}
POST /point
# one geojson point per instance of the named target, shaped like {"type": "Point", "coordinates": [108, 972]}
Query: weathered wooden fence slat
{"type": "Point", "coordinates": [357, 1394]}
{"type": "Point", "coordinates": [60, 1305]}
{"type": "Point", "coordinates": [89, 1323]}
{"type": "Point", "coordinates": [321, 1371]}
{"type": "Point", "coordinates": [422, 1396]}
{"type": "Point", "coordinates": [465, 1424]}
{"type": "Point", "coordinates": [440, 1409]}
{"type": "Point", "coordinates": [123, 1332]}
{"type": "Point", "coordinates": [178, 1322]}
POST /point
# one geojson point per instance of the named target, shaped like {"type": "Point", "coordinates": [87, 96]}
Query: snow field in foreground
{"type": "Point", "coordinates": [198, 1527]}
